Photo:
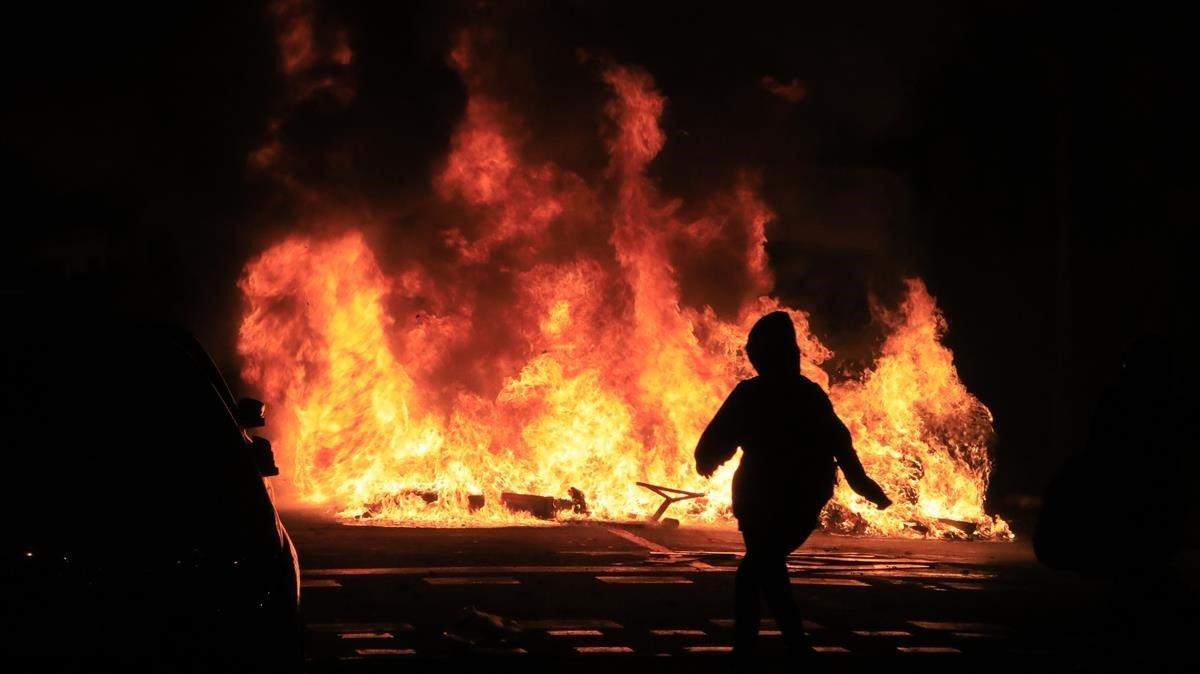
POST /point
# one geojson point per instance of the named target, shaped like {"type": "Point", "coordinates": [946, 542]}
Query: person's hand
{"type": "Point", "coordinates": [705, 470]}
{"type": "Point", "coordinates": [872, 492]}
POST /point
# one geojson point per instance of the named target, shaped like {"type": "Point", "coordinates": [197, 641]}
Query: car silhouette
{"type": "Point", "coordinates": [140, 531]}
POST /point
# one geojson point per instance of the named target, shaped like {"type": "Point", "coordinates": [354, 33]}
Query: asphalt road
{"type": "Point", "coordinates": [631, 596]}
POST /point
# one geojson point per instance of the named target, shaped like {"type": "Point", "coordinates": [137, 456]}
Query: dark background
{"type": "Point", "coordinates": [1022, 160]}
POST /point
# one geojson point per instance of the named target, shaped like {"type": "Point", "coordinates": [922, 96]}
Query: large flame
{"type": "Point", "coordinates": [551, 349]}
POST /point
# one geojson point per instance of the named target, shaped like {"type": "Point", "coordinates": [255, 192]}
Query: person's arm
{"type": "Point", "coordinates": [847, 460]}
{"type": "Point", "coordinates": [720, 439]}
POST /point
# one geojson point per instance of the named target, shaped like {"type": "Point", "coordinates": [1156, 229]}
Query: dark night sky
{"type": "Point", "coordinates": [1022, 161]}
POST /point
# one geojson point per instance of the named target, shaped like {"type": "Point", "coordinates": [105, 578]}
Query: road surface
{"type": "Point", "coordinates": [609, 596]}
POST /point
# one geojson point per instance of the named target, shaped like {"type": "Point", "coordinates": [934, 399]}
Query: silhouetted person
{"type": "Point", "coordinates": [792, 444]}
{"type": "Point", "coordinates": [1129, 482]}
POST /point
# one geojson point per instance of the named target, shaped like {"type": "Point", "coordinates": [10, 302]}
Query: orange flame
{"type": "Point", "coordinates": [555, 353]}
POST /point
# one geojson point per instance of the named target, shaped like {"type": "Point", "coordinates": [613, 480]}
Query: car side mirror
{"type": "Point", "coordinates": [251, 413]}
{"type": "Point", "coordinates": [264, 456]}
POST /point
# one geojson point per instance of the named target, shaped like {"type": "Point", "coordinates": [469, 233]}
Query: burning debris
{"type": "Point", "coordinates": [545, 507]}
{"type": "Point", "coordinates": [539, 344]}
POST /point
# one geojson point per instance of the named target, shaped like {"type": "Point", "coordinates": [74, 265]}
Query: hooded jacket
{"type": "Point", "coordinates": [791, 439]}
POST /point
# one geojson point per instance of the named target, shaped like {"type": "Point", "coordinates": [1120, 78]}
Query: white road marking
{"type": "Point", "coordinates": [708, 649]}
{"type": "Point", "coordinates": [847, 558]}
{"type": "Point", "coordinates": [677, 633]}
{"type": "Point", "coordinates": [575, 633]}
{"type": "Point", "coordinates": [820, 566]}
{"type": "Point", "coordinates": [598, 553]}
{"type": "Point", "coordinates": [839, 582]}
{"type": "Point", "coordinates": [638, 540]}
{"type": "Point", "coordinates": [377, 652]}
{"type": "Point", "coordinates": [469, 570]}
{"type": "Point", "coordinates": [831, 649]}
{"type": "Point", "coordinates": [914, 573]}
{"type": "Point", "coordinates": [644, 580]}
{"type": "Point", "coordinates": [366, 635]}
{"type": "Point", "coordinates": [711, 554]}
{"type": "Point", "coordinates": [836, 577]}
{"type": "Point", "coordinates": [471, 580]}
{"type": "Point", "coordinates": [956, 627]}
{"type": "Point", "coordinates": [603, 649]}
{"type": "Point", "coordinates": [927, 649]}
{"type": "Point", "coordinates": [728, 623]}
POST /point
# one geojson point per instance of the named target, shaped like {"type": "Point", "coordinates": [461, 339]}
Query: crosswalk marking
{"type": "Point", "coordinates": [729, 623]}
{"type": "Point", "coordinates": [366, 635]}
{"type": "Point", "coordinates": [955, 627]}
{"type": "Point", "coordinates": [644, 580]}
{"type": "Point", "coordinates": [911, 573]}
{"type": "Point", "coordinates": [867, 559]}
{"type": "Point", "coordinates": [638, 540]}
{"type": "Point", "coordinates": [708, 649]}
{"type": "Point", "coordinates": [471, 580]}
{"type": "Point", "coordinates": [517, 569]}
{"type": "Point", "coordinates": [837, 576]}
{"type": "Point", "coordinates": [877, 568]}
{"type": "Point", "coordinates": [629, 565]}
{"type": "Point", "coordinates": [369, 652]}
{"type": "Point", "coordinates": [837, 582]}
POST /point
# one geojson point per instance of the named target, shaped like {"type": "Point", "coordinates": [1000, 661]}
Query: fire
{"type": "Point", "coordinates": [918, 431]}
{"type": "Point", "coordinates": [547, 348]}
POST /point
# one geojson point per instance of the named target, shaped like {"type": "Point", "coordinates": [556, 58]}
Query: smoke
{"type": "Point", "coordinates": [330, 152]}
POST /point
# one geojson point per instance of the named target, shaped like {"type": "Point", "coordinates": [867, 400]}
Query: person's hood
{"type": "Point", "coordinates": [771, 345]}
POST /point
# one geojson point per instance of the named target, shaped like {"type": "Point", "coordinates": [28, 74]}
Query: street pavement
{"type": "Point", "coordinates": [634, 596]}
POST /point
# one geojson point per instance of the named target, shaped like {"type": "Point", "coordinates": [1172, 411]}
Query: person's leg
{"type": "Point", "coordinates": [776, 588]}
{"type": "Point", "coordinates": [748, 612]}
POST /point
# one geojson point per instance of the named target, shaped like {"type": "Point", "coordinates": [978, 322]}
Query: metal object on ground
{"type": "Point", "coordinates": [476, 628]}
{"type": "Point", "coordinates": [967, 528]}
{"type": "Point", "coordinates": [669, 496]}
